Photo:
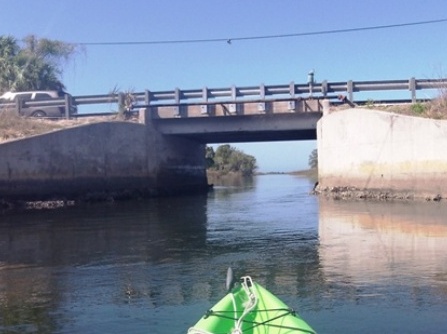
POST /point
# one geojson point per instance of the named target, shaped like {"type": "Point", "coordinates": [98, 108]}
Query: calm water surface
{"type": "Point", "coordinates": [156, 266]}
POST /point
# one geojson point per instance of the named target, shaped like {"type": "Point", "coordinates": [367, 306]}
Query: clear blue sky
{"type": "Point", "coordinates": [397, 53]}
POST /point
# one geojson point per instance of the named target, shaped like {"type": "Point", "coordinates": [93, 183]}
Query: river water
{"type": "Point", "coordinates": [155, 266]}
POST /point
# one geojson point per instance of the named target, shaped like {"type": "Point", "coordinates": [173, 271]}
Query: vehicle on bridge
{"type": "Point", "coordinates": [19, 102]}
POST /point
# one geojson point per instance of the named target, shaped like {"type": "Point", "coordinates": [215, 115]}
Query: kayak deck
{"type": "Point", "coordinates": [250, 308]}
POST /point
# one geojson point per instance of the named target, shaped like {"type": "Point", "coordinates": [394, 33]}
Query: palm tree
{"type": "Point", "coordinates": [8, 51]}
{"type": "Point", "coordinates": [37, 65]}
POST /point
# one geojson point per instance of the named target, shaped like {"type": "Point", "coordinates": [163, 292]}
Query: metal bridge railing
{"type": "Point", "coordinates": [262, 92]}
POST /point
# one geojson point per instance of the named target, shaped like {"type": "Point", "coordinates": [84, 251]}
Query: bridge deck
{"type": "Point", "coordinates": [277, 127]}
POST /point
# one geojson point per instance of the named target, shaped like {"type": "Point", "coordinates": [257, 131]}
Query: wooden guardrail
{"type": "Point", "coordinates": [262, 92]}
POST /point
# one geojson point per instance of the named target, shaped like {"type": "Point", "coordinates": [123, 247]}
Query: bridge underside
{"type": "Point", "coordinates": [233, 129]}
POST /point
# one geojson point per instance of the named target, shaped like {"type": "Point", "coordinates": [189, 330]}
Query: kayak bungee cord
{"type": "Point", "coordinates": [246, 283]}
{"type": "Point", "coordinates": [250, 305]}
{"type": "Point", "coordinates": [221, 314]}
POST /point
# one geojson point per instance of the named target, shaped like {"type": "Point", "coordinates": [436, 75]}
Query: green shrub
{"type": "Point", "coordinates": [418, 108]}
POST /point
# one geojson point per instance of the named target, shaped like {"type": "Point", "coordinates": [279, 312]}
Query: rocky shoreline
{"type": "Point", "coordinates": [353, 193]}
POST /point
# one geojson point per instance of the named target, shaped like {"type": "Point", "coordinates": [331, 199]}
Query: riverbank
{"type": "Point", "coordinates": [13, 127]}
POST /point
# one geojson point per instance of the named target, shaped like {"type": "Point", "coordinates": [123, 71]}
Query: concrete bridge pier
{"type": "Point", "coordinates": [178, 162]}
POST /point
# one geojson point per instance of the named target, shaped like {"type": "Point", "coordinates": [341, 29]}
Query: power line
{"type": "Point", "coordinates": [232, 39]}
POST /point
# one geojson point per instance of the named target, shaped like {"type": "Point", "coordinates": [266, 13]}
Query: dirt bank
{"type": "Point", "coordinates": [13, 127]}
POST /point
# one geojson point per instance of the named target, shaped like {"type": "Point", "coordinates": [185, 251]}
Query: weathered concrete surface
{"type": "Point", "coordinates": [380, 152]}
{"type": "Point", "coordinates": [110, 159]}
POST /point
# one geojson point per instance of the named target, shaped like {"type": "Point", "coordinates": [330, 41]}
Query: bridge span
{"type": "Point", "coordinates": [255, 113]}
{"type": "Point", "coordinates": [164, 153]}
{"type": "Point", "coordinates": [241, 114]}
{"type": "Point", "coordinates": [287, 119]}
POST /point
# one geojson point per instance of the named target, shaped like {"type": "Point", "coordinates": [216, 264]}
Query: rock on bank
{"type": "Point", "coordinates": [369, 153]}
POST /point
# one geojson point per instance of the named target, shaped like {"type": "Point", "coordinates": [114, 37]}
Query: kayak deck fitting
{"type": "Point", "coordinates": [250, 308]}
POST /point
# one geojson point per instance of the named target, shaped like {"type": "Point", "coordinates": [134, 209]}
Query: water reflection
{"type": "Point", "coordinates": [232, 181]}
{"type": "Point", "coordinates": [267, 231]}
{"type": "Point", "coordinates": [130, 267]}
{"type": "Point", "coordinates": [26, 300]}
{"type": "Point", "coordinates": [398, 239]}
{"type": "Point", "coordinates": [49, 260]}
{"type": "Point", "coordinates": [146, 230]}
{"type": "Point", "coordinates": [397, 243]}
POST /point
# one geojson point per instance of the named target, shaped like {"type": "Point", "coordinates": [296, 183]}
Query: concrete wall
{"type": "Point", "coordinates": [382, 151]}
{"type": "Point", "coordinates": [110, 159]}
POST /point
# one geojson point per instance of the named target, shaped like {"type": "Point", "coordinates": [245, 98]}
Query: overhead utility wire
{"type": "Point", "coordinates": [229, 40]}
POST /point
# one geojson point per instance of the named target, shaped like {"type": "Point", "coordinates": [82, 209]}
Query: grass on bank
{"type": "Point", "coordinates": [13, 127]}
{"type": "Point", "coordinates": [434, 109]}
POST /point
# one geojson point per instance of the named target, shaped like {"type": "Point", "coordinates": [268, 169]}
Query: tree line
{"type": "Point", "coordinates": [227, 159]}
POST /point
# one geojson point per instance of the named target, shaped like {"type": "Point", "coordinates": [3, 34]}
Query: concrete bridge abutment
{"type": "Point", "coordinates": [367, 153]}
{"type": "Point", "coordinates": [107, 160]}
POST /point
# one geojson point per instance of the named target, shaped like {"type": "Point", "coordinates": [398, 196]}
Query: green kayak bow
{"type": "Point", "coordinates": [250, 308]}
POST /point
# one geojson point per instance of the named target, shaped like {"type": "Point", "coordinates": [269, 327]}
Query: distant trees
{"type": "Point", "coordinates": [33, 64]}
{"type": "Point", "coordinates": [313, 159]}
{"type": "Point", "coordinates": [229, 159]}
